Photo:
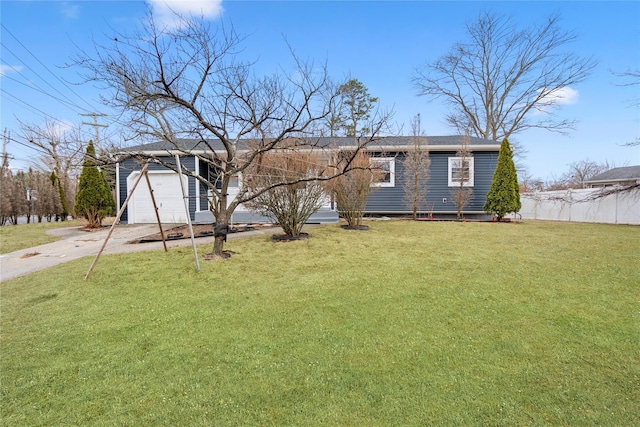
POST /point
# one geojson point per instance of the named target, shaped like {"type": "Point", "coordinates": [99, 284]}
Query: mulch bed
{"type": "Point", "coordinates": [199, 230]}
{"type": "Point", "coordinates": [285, 238]}
{"type": "Point", "coordinates": [360, 227]}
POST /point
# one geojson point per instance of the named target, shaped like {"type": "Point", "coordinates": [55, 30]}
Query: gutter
{"type": "Point", "coordinates": [384, 148]}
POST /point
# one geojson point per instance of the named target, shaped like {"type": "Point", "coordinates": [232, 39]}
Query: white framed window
{"type": "Point", "coordinates": [461, 169]}
{"type": "Point", "coordinates": [387, 175]}
{"type": "Point", "coordinates": [235, 181]}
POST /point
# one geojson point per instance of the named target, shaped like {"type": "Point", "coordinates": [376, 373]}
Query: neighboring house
{"type": "Point", "coordinates": [627, 175]}
{"type": "Point", "coordinates": [388, 199]}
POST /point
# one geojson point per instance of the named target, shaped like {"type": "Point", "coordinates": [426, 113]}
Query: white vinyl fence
{"type": "Point", "coordinates": [582, 206]}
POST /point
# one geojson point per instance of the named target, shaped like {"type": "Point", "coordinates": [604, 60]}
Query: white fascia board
{"type": "Point", "coordinates": [605, 181]}
{"type": "Point", "coordinates": [400, 148]}
{"type": "Point", "coordinates": [368, 147]}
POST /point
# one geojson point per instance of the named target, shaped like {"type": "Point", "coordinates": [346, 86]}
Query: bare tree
{"type": "Point", "coordinates": [354, 185]}
{"type": "Point", "coordinates": [42, 196]}
{"type": "Point", "coordinates": [416, 169]}
{"type": "Point", "coordinates": [528, 183]}
{"type": "Point", "coordinates": [192, 82]}
{"type": "Point", "coordinates": [6, 185]}
{"type": "Point", "coordinates": [461, 175]}
{"type": "Point", "coordinates": [578, 174]}
{"type": "Point", "coordinates": [289, 205]}
{"type": "Point", "coordinates": [576, 177]}
{"type": "Point", "coordinates": [60, 154]}
{"type": "Point", "coordinates": [631, 77]}
{"type": "Point", "coordinates": [499, 81]}
{"type": "Point", "coordinates": [20, 195]}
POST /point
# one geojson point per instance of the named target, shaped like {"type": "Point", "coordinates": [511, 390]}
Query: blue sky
{"type": "Point", "coordinates": [378, 42]}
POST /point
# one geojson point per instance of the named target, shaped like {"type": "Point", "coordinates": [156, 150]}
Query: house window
{"type": "Point", "coordinates": [387, 172]}
{"type": "Point", "coordinates": [461, 170]}
{"type": "Point", "coordinates": [234, 181]}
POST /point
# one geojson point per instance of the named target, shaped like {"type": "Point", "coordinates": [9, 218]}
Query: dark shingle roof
{"type": "Point", "coordinates": [391, 141]}
{"type": "Point", "coordinates": [624, 173]}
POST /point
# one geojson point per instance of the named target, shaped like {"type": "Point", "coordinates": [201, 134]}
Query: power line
{"type": "Point", "coordinates": [29, 146]}
{"type": "Point", "coordinates": [35, 86]}
{"type": "Point", "coordinates": [45, 67]}
{"type": "Point", "coordinates": [37, 89]}
{"type": "Point", "coordinates": [29, 106]}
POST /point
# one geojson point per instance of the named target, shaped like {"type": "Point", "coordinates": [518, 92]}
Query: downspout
{"type": "Point", "coordinates": [197, 183]}
{"type": "Point", "coordinates": [118, 185]}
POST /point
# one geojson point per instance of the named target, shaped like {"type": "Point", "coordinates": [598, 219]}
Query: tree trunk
{"type": "Point", "coordinates": [218, 245]}
{"type": "Point", "coordinates": [221, 228]}
{"type": "Point", "coordinates": [63, 197]}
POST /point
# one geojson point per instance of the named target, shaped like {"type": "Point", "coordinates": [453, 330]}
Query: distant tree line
{"type": "Point", "coordinates": [575, 177]}
{"type": "Point", "coordinates": [35, 195]}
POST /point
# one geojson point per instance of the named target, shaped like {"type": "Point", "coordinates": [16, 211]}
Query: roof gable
{"type": "Point", "coordinates": [624, 173]}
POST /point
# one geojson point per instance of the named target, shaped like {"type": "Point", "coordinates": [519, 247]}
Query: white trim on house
{"type": "Point", "coordinates": [372, 147]}
{"type": "Point", "coordinates": [197, 183]}
{"type": "Point", "coordinates": [391, 161]}
{"type": "Point", "coordinates": [118, 186]}
{"type": "Point", "coordinates": [455, 163]}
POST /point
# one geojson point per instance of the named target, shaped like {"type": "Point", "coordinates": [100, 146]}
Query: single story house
{"type": "Point", "coordinates": [388, 198]}
{"type": "Point", "coordinates": [626, 175]}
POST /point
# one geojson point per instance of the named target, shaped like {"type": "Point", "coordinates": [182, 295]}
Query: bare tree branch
{"type": "Point", "coordinates": [504, 80]}
{"type": "Point", "coordinates": [192, 84]}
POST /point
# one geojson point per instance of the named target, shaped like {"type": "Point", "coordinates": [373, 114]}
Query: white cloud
{"type": "Point", "coordinates": [70, 10]}
{"type": "Point", "coordinates": [60, 127]}
{"type": "Point", "coordinates": [165, 10]}
{"type": "Point", "coordinates": [8, 69]}
{"type": "Point", "coordinates": [562, 96]}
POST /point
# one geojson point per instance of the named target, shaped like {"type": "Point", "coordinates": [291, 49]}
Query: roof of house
{"type": "Point", "coordinates": [624, 173]}
{"type": "Point", "coordinates": [383, 143]}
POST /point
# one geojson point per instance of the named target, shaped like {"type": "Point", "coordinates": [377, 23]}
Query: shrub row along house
{"type": "Point", "coordinates": [446, 170]}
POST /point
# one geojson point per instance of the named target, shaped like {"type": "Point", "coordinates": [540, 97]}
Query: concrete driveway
{"type": "Point", "coordinates": [76, 244]}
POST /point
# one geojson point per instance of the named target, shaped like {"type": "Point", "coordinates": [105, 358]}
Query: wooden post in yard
{"type": "Point", "coordinates": [155, 209]}
{"type": "Point", "coordinates": [186, 208]}
{"type": "Point", "coordinates": [121, 211]}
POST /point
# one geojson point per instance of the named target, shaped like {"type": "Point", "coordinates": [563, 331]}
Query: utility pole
{"type": "Point", "coordinates": [5, 156]}
{"type": "Point", "coordinates": [96, 125]}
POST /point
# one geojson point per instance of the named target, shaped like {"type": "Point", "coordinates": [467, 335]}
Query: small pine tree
{"type": "Point", "coordinates": [94, 200]}
{"type": "Point", "coordinates": [504, 194]}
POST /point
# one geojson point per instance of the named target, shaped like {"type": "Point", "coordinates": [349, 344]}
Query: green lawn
{"type": "Point", "coordinates": [16, 237]}
{"type": "Point", "coordinates": [409, 323]}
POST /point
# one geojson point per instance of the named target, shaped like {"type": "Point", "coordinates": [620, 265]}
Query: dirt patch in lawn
{"type": "Point", "coordinates": [30, 254]}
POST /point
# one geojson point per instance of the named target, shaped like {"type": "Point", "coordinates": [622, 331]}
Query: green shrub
{"type": "Point", "coordinates": [504, 194]}
{"type": "Point", "coordinates": [94, 200]}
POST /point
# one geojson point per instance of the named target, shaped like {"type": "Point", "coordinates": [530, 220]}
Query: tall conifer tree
{"type": "Point", "coordinates": [94, 200]}
{"type": "Point", "coordinates": [504, 194]}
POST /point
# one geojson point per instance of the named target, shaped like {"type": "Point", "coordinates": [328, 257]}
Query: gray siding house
{"type": "Point", "coordinates": [387, 199]}
{"type": "Point", "coordinates": [626, 175]}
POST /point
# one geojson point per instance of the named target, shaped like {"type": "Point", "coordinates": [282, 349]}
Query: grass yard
{"type": "Point", "coordinates": [16, 237]}
{"type": "Point", "coordinates": [409, 323]}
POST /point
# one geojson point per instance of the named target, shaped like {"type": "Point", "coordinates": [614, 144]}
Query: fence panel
{"type": "Point", "coordinates": [582, 206]}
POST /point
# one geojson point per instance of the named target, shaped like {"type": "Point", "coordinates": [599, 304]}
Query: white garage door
{"type": "Point", "coordinates": [168, 196]}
